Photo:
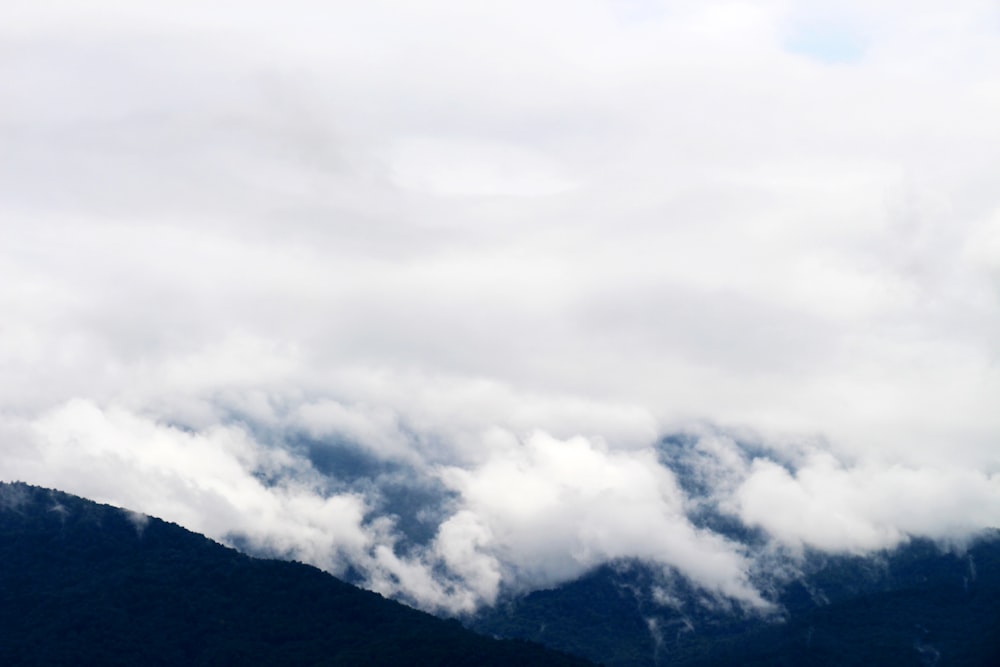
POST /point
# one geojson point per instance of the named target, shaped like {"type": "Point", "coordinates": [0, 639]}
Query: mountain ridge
{"type": "Point", "coordinates": [85, 583]}
{"type": "Point", "coordinates": [916, 605]}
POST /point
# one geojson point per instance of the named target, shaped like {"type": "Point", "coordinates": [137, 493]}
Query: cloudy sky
{"type": "Point", "coordinates": [416, 290]}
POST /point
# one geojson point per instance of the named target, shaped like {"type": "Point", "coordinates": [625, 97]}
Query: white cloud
{"type": "Point", "coordinates": [550, 510]}
{"type": "Point", "coordinates": [463, 167]}
{"type": "Point", "coordinates": [444, 231]}
{"type": "Point", "coordinates": [830, 507]}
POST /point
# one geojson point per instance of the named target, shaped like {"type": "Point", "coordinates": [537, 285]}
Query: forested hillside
{"type": "Point", "coordinates": [89, 584]}
{"type": "Point", "coordinates": [918, 605]}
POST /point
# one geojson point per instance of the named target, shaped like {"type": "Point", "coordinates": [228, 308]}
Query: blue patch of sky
{"type": "Point", "coordinates": [828, 42]}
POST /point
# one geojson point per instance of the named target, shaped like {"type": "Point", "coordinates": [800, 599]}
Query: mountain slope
{"type": "Point", "coordinates": [83, 583]}
{"type": "Point", "coordinates": [917, 605]}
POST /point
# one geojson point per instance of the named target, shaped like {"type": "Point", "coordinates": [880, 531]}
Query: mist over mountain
{"type": "Point", "coordinates": [918, 604]}
{"type": "Point", "coordinates": [89, 583]}
{"type": "Point", "coordinates": [83, 583]}
{"type": "Point", "coordinates": [467, 301]}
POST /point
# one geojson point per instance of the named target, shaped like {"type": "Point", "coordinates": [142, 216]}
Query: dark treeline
{"type": "Point", "coordinates": [917, 605]}
{"type": "Point", "coordinates": [85, 584]}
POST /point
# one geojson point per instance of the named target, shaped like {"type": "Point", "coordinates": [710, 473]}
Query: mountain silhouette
{"type": "Point", "coordinates": [88, 584]}
{"type": "Point", "coordinates": [920, 605]}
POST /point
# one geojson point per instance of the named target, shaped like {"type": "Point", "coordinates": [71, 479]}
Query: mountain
{"type": "Point", "coordinates": [83, 583]}
{"type": "Point", "coordinates": [918, 605]}
{"type": "Point", "coordinates": [89, 584]}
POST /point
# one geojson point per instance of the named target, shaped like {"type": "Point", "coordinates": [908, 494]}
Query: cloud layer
{"type": "Point", "coordinates": [415, 292]}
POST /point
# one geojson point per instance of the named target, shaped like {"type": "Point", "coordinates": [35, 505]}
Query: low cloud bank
{"type": "Point", "coordinates": [525, 512]}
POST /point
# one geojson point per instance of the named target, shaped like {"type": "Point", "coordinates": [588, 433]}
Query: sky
{"type": "Point", "coordinates": [464, 299]}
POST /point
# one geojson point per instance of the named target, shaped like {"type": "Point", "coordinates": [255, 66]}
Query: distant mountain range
{"type": "Point", "coordinates": [917, 605]}
{"type": "Point", "coordinates": [922, 604]}
{"type": "Point", "coordinates": [89, 584]}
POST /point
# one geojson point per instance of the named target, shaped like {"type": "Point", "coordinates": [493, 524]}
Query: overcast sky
{"type": "Point", "coordinates": [501, 249]}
